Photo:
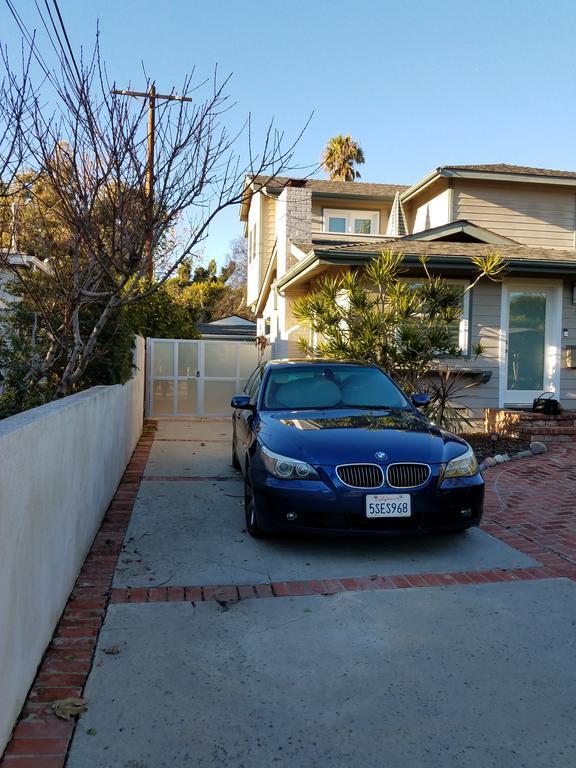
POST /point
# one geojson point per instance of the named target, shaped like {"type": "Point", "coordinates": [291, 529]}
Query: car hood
{"type": "Point", "coordinates": [333, 437]}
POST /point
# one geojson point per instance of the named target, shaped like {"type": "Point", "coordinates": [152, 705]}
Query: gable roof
{"type": "Point", "coordinates": [465, 227]}
{"type": "Point", "coordinates": [517, 170]}
{"type": "Point", "coordinates": [239, 332]}
{"type": "Point", "coordinates": [493, 172]}
{"type": "Point", "coordinates": [317, 257]}
{"type": "Point", "coordinates": [328, 187]}
{"type": "Point", "coordinates": [360, 189]}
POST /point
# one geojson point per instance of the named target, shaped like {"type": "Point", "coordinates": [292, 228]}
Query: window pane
{"type": "Point", "coordinates": [220, 359]}
{"type": "Point", "coordinates": [163, 398]}
{"type": "Point", "coordinates": [248, 359]}
{"type": "Point", "coordinates": [186, 404]}
{"type": "Point", "coordinates": [163, 358]}
{"type": "Point", "coordinates": [217, 396]}
{"type": "Point", "coordinates": [187, 358]}
{"type": "Point", "coordinates": [336, 224]}
{"type": "Point", "coordinates": [526, 340]}
{"type": "Point", "coordinates": [362, 226]}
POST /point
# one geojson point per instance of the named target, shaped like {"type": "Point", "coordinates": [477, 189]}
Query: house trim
{"type": "Point", "coordinates": [553, 334]}
{"type": "Point", "coordinates": [462, 225]}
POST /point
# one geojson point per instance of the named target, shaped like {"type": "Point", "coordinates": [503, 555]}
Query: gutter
{"type": "Point", "coordinates": [443, 262]}
{"type": "Point", "coordinates": [420, 185]}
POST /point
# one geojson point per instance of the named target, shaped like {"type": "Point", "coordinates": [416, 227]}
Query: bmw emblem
{"type": "Point", "coordinates": [381, 455]}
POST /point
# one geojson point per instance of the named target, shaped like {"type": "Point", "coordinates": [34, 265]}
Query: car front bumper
{"type": "Point", "coordinates": [316, 507]}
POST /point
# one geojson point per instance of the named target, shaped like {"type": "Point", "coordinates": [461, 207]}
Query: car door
{"type": "Point", "coordinates": [243, 419]}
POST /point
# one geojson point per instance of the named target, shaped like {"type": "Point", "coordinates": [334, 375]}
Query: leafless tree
{"type": "Point", "coordinates": [90, 152]}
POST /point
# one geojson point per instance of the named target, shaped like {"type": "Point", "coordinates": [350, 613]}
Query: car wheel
{"type": "Point", "coordinates": [250, 508]}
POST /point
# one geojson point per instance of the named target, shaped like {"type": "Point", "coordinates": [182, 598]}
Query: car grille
{"type": "Point", "coordinates": [407, 475]}
{"type": "Point", "coordinates": [361, 475]}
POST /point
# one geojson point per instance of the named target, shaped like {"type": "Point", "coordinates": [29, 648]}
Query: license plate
{"type": "Point", "coordinates": [388, 505]}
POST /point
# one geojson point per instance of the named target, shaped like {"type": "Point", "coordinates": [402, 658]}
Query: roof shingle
{"type": "Point", "coordinates": [334, 187]}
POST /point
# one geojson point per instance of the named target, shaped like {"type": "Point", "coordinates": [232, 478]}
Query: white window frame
{"type": "Point", "coordinates": [252, 244]}
{"type": "Point", "coordinates": [351, 216]}
{"type": "Point", "coordinates": [464, 327]}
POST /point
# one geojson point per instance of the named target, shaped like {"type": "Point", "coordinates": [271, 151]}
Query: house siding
{"type": "Point", "coordinates": [534, 215]}
{"type": "Point", "coordinates": [430, 209]}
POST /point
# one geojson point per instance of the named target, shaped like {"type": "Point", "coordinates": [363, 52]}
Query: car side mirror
{"type": "Point", "coordinates": [242, 402]}
{"type": "Point", "coordinates": [419, 399]}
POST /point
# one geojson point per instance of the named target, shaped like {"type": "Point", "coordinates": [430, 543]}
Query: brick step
{"type": "Point", "coordinates": [546, 431]}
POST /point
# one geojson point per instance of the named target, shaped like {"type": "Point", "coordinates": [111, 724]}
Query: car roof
{"type": "Point", "coordinates": [287, 362]}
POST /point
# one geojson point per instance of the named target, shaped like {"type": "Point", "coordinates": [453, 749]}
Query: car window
{"type": "Point", "coordinates": [255, 383]}
{"type": "Point", "coordinates": [331, 386]}
{"type": "Point", "coordinates": [251, 379]}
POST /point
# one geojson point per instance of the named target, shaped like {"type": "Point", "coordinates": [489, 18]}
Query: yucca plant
{"type": "Point", "coordinates": [374, 314]}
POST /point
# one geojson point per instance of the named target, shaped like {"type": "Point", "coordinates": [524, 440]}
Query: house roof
{"type": "Point", "coordinates": [493, 172]}
{"type": "Point", "coordinates": [233, 320]}
{"type": "Point", "coordinates": [333, 187]}
{"type": "Point", "coordinates": [350, 189]}
{"type": "Point", "coordinates": [317, 257]}
{"type": "Point", "coordinates": [518, 170]}
{"type": "Point", "coordinates": [239, 332]}
{"type": "Point", "coordinates": [462, 227]}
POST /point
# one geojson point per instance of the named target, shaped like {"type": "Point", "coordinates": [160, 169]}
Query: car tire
{"type": "Point", "coordinates": [235, 461]}
{"type": "Point", "coordinates": [250, 509]}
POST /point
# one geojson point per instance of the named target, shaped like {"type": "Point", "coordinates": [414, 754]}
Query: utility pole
{"type": "Point", "coordinates": [152, 97]}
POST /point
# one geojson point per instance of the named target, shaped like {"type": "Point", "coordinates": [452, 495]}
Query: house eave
{"type": "Point", "coordinates": [316, 262]}
{"type": "Point", "coordinates": [495, 176]}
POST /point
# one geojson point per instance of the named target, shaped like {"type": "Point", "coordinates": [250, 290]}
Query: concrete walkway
{"type": "Point", "coordinates": [219, 650]}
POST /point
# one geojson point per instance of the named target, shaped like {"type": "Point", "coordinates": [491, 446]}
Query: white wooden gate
{"type": "Point", "coordinates": [196, 378]}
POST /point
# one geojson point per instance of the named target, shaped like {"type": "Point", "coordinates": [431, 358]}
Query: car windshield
{"type": "Point", "coordinates": [313, 386]}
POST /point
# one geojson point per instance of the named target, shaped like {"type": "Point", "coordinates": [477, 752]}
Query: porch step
{"type": "Point", "coordinates": [532, 426]}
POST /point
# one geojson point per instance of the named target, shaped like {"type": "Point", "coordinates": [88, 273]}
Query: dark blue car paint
{"type": "Point", "coordinates": [327, 438]}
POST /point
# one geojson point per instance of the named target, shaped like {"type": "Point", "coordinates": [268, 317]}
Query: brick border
{"type": "Point", "coordinates": [40, 739]}
{"type": "Point", "coordinates": [231, 593]}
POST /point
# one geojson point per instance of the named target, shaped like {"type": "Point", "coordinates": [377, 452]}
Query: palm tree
{"type": "Point", "coordinates": [339, 156]}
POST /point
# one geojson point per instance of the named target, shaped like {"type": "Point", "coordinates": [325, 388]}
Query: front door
{"type": "Point", "coordinates": [531, 340]}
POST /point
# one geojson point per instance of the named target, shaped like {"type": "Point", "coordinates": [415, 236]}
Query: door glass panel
{"type": "Point", "coordinates": [220, 359]}
{"type": "Point", "coordinates": [526, 340]}
{"type": "Point", "coordinates": [163, 358]}
{"type": "Point", "coordinates": [163, 398]}
{"type": "Point", "coordinates": [187, 397]}
{"type": "Point", "coordinates": [187, 359]}
{"type": "Point", "coordinates": [248, 359]}
{"type": "Point", "coordinates": [217, 396]}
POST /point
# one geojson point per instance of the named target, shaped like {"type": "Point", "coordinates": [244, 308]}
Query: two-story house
{"type": "Point", "coordinates": [298, 230]}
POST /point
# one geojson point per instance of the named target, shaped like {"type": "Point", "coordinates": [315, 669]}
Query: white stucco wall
{"type": "Point", "coordinates": [60, 465]}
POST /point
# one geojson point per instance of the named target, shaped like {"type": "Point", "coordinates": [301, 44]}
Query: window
{"type": "Point", "coordinates": [252, 244]}
{"type": "Point", "coordinates": [351, 222]}
{"type": "Point", "coordinates": [460, 328]}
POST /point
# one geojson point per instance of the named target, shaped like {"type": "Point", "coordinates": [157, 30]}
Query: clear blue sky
{"type": "Point", "coordinates": [418, 83]}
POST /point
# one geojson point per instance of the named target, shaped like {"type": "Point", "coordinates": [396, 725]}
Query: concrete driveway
{"type": "Point", "coordinates": [219, 650]}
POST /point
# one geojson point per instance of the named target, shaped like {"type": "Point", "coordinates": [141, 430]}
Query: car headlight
{"type": "Point", "coordinates": [465, 465]}
{"type": "Point", "coordinates": [286, 468]}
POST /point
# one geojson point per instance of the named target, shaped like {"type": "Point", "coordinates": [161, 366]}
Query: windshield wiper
{"type": "Point", "coordinates": [374, 407]}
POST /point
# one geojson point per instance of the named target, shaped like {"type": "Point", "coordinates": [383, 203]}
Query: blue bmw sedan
{"type": "Point", "coordinates": [336, 447]}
